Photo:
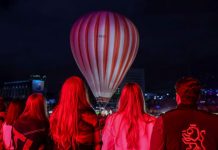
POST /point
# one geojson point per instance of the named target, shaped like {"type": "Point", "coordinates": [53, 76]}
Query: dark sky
{"type": "Point", "coordinates": [176, 38]}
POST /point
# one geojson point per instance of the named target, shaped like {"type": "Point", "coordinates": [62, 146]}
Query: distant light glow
{"type": "Point", "coordinates": [157, 107]}
{"type": "Point", "coordinates": [37, 85]}
{"type": "Point", "coordinates": [202, 102]}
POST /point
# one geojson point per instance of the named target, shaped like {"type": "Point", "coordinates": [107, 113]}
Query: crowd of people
{"type": "Point", "coordinates": [74, 125]}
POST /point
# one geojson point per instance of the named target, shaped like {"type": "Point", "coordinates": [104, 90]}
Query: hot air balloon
{"type": "Point", "coordinates": [104, 45]}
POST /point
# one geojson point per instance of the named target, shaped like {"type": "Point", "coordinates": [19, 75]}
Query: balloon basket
{"type": "Point", "coordinates": [102, 102]}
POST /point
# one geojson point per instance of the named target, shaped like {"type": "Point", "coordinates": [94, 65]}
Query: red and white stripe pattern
{"type": "Point", "coordinates": [104, 45]}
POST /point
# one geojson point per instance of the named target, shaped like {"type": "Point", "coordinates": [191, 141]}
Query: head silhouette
{"type": "Point", "coordinates": [35, 107]}
{"type": "Point", "coordinates": [188, 90]}
{"type": "Point", "coordinates": [15, 108]}
{"type": "Point", "coordinates": [131, 100]}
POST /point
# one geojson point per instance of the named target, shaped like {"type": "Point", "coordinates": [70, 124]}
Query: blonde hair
{"type": "Point", "coordinates": [131, 105]}
{"type": "Point", "coordinates": [35, 107]}
{"type": "Point", "coordinates": [64, 119]}
{"type": "Point", "coordinates": [14, 110]}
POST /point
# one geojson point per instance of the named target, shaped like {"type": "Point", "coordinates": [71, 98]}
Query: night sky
{"type": "Point", "coordinates": [176, 38]}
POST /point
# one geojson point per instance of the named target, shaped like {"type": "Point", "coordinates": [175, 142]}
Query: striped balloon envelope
{"type": "Point", "coordinates": [104, 45]}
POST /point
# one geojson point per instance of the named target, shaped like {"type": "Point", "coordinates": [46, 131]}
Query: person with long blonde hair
{"type": "Point", "coordinates": [31, 129]}
{"type": "Point", "coordinates": [73, 123]}
{"type": "Point", "coordinates": [130, 128]}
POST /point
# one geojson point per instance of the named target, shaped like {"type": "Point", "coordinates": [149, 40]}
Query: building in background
{"type": "Point", "coordinates": [21, 89]}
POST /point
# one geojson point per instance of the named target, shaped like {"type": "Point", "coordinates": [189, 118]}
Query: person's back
{"type": "Point", "coordinates": [7, 138]}
{"type": "Point", "coordinates": [30, 133]}
{"type": "Point", "coordinates": [13, 112]}
{"type": "Point", "coordinates": [73, 123]}
{"type": "Point", "coordinates": [115, 132]}
{"type": "Point", "coordinates": [187, 127]}
{"type": "Point", "coordinates": [2, 118]}
{"type": "Point", "coordinates": [87, 129]}
{"type": "Point", "coordinates": [88, 126]}
{"type": "Point", "coordinates": [130, 127]}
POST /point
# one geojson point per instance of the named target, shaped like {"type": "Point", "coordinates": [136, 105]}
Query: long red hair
{"type": "Point", "coordinates": [64, 119]}
{"type": "Point", "coordinates": [131, 105]}
{"type": "Point", "coordinates": [35, 107]}
{"type": "Point", "coordinates": [15, 108]}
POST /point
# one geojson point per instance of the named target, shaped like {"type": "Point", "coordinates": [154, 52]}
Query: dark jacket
{"type": "Point", "coordinates": [30, 134]}
{"type": "Point", "coordinates": [89, 130]}
{"type": "Point", "coordinates": [88, 137]}
{"type": "Point", "coordinates": [185, 128]}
